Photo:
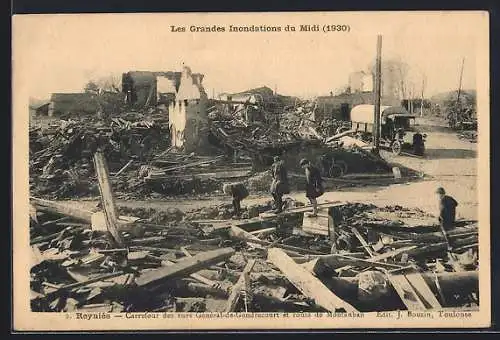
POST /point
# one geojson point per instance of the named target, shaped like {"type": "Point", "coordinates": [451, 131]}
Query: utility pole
{"type": "Point", "coordinates": [422, 97]}
{"type": "Point", "coordinates": [459, 89]}
{"type": "Point", "coordinates": [410, 95]}
{"type": "Point", "coordinates": [378, 81]}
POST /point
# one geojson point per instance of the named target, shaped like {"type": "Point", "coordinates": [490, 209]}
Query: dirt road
{"type": "Point", "coordinates": [449, 162]}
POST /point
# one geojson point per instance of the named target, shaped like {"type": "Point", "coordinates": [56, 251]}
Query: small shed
{"type": "Point", "coordinates": [74, 103]}
{"type": "Point", "coordinates": [42, 109]}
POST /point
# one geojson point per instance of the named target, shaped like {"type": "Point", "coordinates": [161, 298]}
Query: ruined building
{"type": "Point", "coordinates": [188, 118]}
{"type": "Point", "coordinates": [146, 88]}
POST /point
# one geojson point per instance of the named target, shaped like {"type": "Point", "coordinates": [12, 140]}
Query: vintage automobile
{"type": "Point", "coordinates": [398, 131]}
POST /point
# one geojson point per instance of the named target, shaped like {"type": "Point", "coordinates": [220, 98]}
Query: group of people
{"type": "Point", "coordinates": [280, 186]}
{"type": "Point", "coordinates": [314, 189]}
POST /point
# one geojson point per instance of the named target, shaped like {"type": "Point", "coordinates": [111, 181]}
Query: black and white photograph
{"type": "Point", "coordinates": [263, 170]}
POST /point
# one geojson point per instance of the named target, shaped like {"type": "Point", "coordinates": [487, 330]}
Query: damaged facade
{"type": "Point", "coordinates": [147, 88]}
{"type": "Point", "coordinates": [188, 116]}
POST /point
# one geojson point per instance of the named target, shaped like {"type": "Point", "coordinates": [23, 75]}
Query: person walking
{"type": "Point", "coordinates": [279, 185]}
{"type": "Point", "coordinates": [447, 211]}
{"type": "Point", "coordinates": [314, 186]}
{"type": "Point", "coordinates": [238, 192]}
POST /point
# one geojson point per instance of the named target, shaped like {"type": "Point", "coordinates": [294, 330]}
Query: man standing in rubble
{"type": "Point", "coordinates": [279, 185]}
{"type": "Point", "coordinates": [447, 209]}
{"type": "Point", "coordinates": [314, 186]}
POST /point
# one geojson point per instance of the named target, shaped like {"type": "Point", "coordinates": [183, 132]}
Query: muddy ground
{"type": "Point", "coordinates": [449, 162]}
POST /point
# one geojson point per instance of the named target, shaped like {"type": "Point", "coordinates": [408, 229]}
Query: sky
{"type": "Point", "coordinates": [60, 53]}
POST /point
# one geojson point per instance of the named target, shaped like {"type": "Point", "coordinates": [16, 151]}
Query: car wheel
{"type": "Point", "coordinates": [396, 148]}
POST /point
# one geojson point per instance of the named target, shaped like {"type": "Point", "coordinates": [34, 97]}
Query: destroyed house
{"type": "Point", "coordinates": [264, 99]}
{"type": "Point", "coordinates": [139, 88]}
{"type": "Point", "coordinates": [72, 103]}
{"type": "Point", "coordinates": [188, 117]}
{"type": "Point", "coordinates": [147, 88]}
{"type": "Point", "coordinates": [261, 95]}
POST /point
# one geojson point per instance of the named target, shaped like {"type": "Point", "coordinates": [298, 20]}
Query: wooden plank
{"type": "Point", "coordinates": [262, 232]}
{"type": "Point", "coordinates": [241, 234]}
{"type": "Point", "coordinates": [303, 209]}
{"type": "Point", "coordinates": [390, 254]}
{"type": "Point", "coordinates": [421, 287]}
{"type": "Point", "coordinates": [331, 231]}
{"type": "Point", "coordinates": [307, 283]}
{"type": "Point", "coordinates": [315, 225]}
{"type": "Point", "coordinates": [190, 165]}
{"type": "Point", "coordinates": [242, 283]}
{"type": "Point", "coordinates": [125, 167]}
{"type": "Point", "coordinates": [85, 283]}
{"type": "Point", "coordinates": [195, 276]}
{"type": "Point", "coordinates": [184, 267]}
{"type": "Point", "coordinates": [337, 261]}
{"type": "Point", "coordinates": [107, 198]}
{"type": "Point", "coordinates": [406, 292]}
{"type": "Point", "coordinates": [365, 245]}
{"type": "Point", "coordinates": [61, 209]}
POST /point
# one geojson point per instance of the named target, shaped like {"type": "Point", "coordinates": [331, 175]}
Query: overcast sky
{"type": "Point", "coordinates": [60, 53]}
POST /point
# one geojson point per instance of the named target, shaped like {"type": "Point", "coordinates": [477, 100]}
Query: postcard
{"type": "Point", "coordinates": [222, 171]}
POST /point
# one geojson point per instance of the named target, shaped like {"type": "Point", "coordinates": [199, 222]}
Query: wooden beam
{"type": "Point", "coordinates": [337, 261]}
{"type": "Point", "coordinates": [421, 287]}
{"type": "Point", "coordinates": [193, 164]}
{"type": "Point", "coordinates": [301, 209]}
{"type": "Point", "coordinates": [238, 233]}
{"type": "Point", "coordinates": [365, 245]}
{"type": "Point", "coordinates": [241, 234]}
{"type": "Point", "coordinates": [125, 167]}
{"type": "Point", "coordinates": [307, 283]}
{"type": "Point", "coordinates": [84, 283]}
{"type": "Point", "coordinates": [390, 254]}
{"type": "Point", "coordinates": [406, 292]}
{"type": "Point", "coordinates": [195, 276]}
{"type": "Point", "coordinates": [262, 232]}
{"type": "Point", "coordinates": [61, 209]}
{"type": "Point", "coordinates": [241, 284]}
{"type": "Point", "coordinates": [107, 198]}
{"type": "Point", "coordinates": [184, 267]}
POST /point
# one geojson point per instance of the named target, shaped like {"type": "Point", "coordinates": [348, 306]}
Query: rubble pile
{"type": "Point", "coordinates": [469, 135]}
{"type": "Point", "coordinates": [61, 156]}
{"type": "Point", "coordinates": [178, 173]}
{"type": "Point", "coordinates": [300, 120]}
{"type": "Point", "coordinates": [253, 137]}
{"type": "Point", "coordinates": [199, 262]}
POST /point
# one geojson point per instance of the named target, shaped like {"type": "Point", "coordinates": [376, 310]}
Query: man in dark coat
{"type": "Point", "coordinates": [447, 210]}
{"type": "Point", "coordinates": [238, 192]}
{"type": "Point", "coordinates": [314, 186]}
{"type": "Point", "coordinates": [279, 185]}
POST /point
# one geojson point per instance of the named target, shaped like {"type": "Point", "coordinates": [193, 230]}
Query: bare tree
{"type": "Point", "coordinates": [110, 83]}
{"type": "Point", "coordinates": [91, 87]}
{"type": "Point", "coordinates": [395, 76]}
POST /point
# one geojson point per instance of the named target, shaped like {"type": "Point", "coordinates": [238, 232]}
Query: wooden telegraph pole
{"type": "Point", "coordinates": [422, 97]}
{"type": "Point", "coordinates": [459, 89]}
{"type": "Point", "coordinates": [378, 81]}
